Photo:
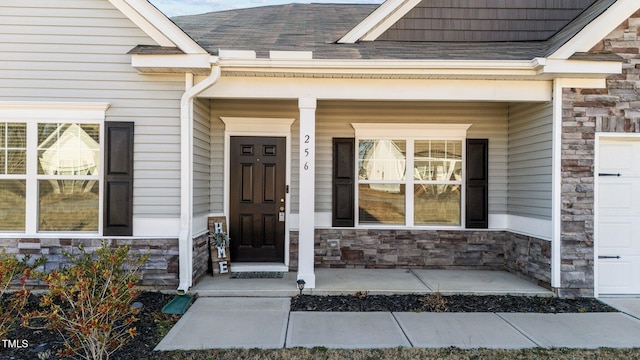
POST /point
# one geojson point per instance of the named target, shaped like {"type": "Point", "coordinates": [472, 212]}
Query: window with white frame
{"type": "Point", "coordinates": [13, 176]}
{"type": "Point", "coordinates": [50, 159]}
{"type": "Point", "coordinates": [410, 174]}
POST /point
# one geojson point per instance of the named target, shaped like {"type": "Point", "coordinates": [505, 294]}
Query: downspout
{"type": "Point", "coordinates": [185, 242]}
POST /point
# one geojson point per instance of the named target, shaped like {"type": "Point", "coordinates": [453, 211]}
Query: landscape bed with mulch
{"type": "Point", "coordinates": [452, 303]}
{"type": "Point", "coordinates": [153, 325]}
{"type": "Point", "coordinates": [151, 328]}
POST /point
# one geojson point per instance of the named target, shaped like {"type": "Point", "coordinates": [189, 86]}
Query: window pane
{"type": "Point", "coordinates": [438, 160]}
{"type": "Point", "coordinates": [68, 205]}
{"type": "Point", "coordinates": [13, 148]}
{"type": "Point", "coordinates": [382, 160]}
{"type": "Point", "coordinates": [12, 205]}
{"type": "Point", "coordinates": [68, 149]}
{"type": "Point", "coordinates": [436, 204]}
{"type": "Point", "coordinates": [381, 203]}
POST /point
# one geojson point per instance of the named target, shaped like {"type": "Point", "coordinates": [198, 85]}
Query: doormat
{"type": "Point", "coordinates": [257, 275]}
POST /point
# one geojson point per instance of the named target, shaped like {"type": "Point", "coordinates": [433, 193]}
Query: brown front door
{"type": "Point", "coordinates": [257, 201]}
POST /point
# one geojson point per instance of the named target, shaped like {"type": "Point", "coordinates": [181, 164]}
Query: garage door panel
{"type": "Point", "coordinates": [614, 196]}
{"type": "Point", "coordinates": [620, 156]}
{"type": "Point", "coordinates": [618, 276]}
{"type": "Point", "coordinates": [614, 157]}
{"type": "Point", "coordinates": [619, 198]}
{"type": "Point", "coordinates": [615, 234]}
{"type": "Point", "coordinates": [618, 216]}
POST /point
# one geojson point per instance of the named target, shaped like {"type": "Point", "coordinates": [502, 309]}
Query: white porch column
{"type": "Point", "coordinates": [307, 202]}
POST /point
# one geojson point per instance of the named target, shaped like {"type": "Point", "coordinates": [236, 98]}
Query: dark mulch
{"type": "Point", "coordinates": [151, 328]}
{"type": "Point", "coordinates": [453, 303]}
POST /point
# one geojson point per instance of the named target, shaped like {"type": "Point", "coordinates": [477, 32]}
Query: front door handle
{"type": "Point", "coordinates": [608, 257]}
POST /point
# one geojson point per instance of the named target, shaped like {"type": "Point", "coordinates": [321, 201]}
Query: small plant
{"type": "Point", "coordinates": [434, 302]}
{"type": "Point", "coordinates": [219, 239]}
{"type": "Point", "coordinates": [164, 322]}
{"type": "Point", "coordinates": [11, 270]}
{"type": "Point", "coordinates": [89, 302]}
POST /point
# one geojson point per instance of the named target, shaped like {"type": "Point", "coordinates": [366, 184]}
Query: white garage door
{"type": "Point", "coordinates": [618, 216]}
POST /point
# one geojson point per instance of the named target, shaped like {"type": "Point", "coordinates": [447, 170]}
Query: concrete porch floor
{"type": "Point", "coordinates": [375, 282]}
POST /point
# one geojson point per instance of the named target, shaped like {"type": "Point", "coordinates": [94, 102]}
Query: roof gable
{"type": "Point", "coordinates": [467, 20]}
{"type": "Point", "coordinates": [155, 24]}
{"type": "Point", "coordinates": [291, 27]}
{"type": "Point", "coordinates": [493, 20]}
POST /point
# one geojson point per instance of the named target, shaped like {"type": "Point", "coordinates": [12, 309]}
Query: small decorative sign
{"type": "Point", "coordinates": [219, 245]}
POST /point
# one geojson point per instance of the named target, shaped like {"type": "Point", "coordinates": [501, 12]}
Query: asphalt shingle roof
{"type": "Point", "coordinates": [317, 27]}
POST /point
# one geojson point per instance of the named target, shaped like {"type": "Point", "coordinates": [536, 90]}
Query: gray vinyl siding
{"type": "Point", "coordinates": [334, 118]}
{"type": "Point", "coordinates": [530, 160]}
{"type": "Point", "coordinates": [216, 178]}
{"type": "Point", "coordinates": [76, 51]}
{"type": "Point", "coordinates": [490, 20]}
{"type": "Point", "coordinates": [489, 120]}
{"type": "Point", "coordinates": [201, 156]}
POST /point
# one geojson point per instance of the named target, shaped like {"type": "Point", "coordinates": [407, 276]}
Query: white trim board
{"type": "Point", "coordinates": [155, 24]}
{"type": "Point", "coordinates": [598, 29]}
{"type": "Point", "coordinates": [379, 21]}
{"type": "Point", "coordinates": [47, 111]}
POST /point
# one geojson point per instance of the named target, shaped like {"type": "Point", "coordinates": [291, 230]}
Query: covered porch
{"type": "Point", "coordinates": [518, 177]}
{"type": "Point", "coordinates": [517, 234]}
{"type": "Point", "coordinates": [375, 282]}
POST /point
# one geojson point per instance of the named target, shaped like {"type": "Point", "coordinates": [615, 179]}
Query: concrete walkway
{"type": "Point", "coordinates": [254, 313]}
{"type": "Point", "coordinates": [228, 322]}
{"type": "Point", "coordinates": [375, 282]}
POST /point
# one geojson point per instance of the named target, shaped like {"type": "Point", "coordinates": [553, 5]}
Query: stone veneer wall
{"type": "Point", "coordinates": [201, 262]}
{"type": "Point", "coordinates": [386, 249]}
{"type": "Point", "coordinates": [527, 257]}
{"type": "Point", "coordinates": [586, 112]}
{"type": "Point", "coordinates": [161, 270]}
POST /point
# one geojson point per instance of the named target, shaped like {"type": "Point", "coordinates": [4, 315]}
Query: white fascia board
{"type": "Point", "coordinates": [379, 21]}
{"type": "Point", "coordinates": [155, 24]}
{"type": "Point", "coordinates": [379, 89]}
{"type": "Point", "coordinates": [541, 68]}
{"type": "Point", "coordinates": [174, 61]}
{"type": "Point", "coordinates": [598, 29]}
{"type": "Point", "coordinates": [577, 68]}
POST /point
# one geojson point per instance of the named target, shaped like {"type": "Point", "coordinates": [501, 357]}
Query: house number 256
{"type": "Point", "coordinates": [307, 151]}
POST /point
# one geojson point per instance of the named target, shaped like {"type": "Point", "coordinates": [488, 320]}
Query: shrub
{"type": "Point", "coordinates": [89, 302]}
{"type": "Point", "coordinates": [12, 270]}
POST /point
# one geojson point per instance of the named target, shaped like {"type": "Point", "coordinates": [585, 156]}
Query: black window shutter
{"type": "Point", "coordinates": [343, 182]}
{"type": "Point", "coordinates": [477, 197]}
{"type": "Point", "coordinates": [118, 182]}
